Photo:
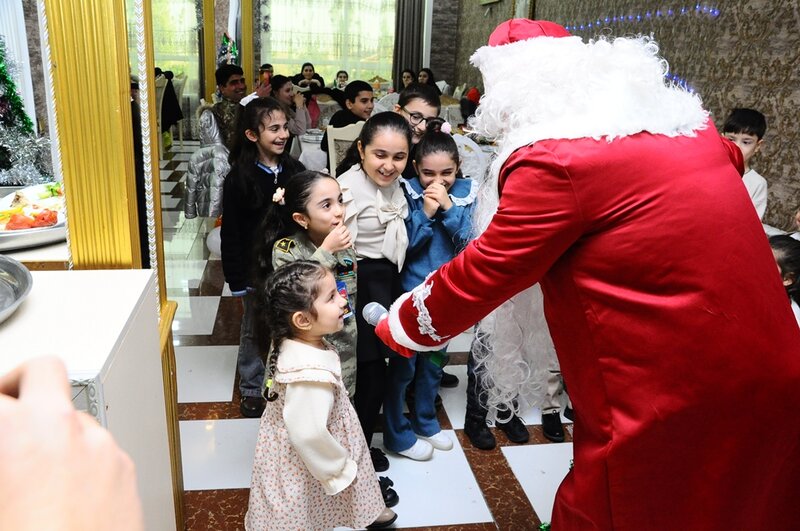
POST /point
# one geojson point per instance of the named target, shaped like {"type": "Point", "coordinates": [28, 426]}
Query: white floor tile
{"type": "Point", "coordinates": [461, 342]}
{"type": "Point", "coordinates": [205, 374]}
{"type": "Point", "coordinates": [455, 402]}
{"type": "Point", "coordinates": [162, 163]}
{"type": "Point", "coordinates": [455, 399]}
{"type": "Point", "coordinates": [184, 274]}
{"type": "Point", "coordinates": [441, 491]}
{"type": "Point", "coordinates": [172, 219]}
{"type": "Point", "coordinates": [169, 202]}
{"type": "Point", "coordinates": [195, 315]}
{"type": "Point", "coordinates": [226, 290]}
{"type": "Point", "coordinates": [167, 186]}
{"type": "Point", "coordinates": [540, 468]}
{"type": "Point", "coordinates": [182, 156]}
{"type": "Point", "coordinates": [183, 166]}
{"type": "Point", "coordinates": [218, 454]}
{"type": "Point", "coordinates": [164, 174]}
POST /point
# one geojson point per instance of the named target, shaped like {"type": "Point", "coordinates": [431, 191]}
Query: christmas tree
{"type": "Point", "coordinates": [24, 157]}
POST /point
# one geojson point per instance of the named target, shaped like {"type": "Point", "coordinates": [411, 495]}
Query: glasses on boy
{"type": "Point", "coordinates": [416, 118]}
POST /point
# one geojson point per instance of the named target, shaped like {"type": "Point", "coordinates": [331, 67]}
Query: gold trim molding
{"type": "Point", "coordinates": [91, 88]}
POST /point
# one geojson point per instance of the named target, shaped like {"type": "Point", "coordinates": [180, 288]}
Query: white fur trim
{"type": "Point", "coordinates": [398, 332]}
{"type": "Point", "coordinates": [604, 89]}
{"type": "Point", "coordinates": [418, 295]}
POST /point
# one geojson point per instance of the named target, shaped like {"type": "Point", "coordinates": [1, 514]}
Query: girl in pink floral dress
{"type": "Point", "coordinates": [312, 468]}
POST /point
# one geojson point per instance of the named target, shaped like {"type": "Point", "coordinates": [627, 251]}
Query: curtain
{"type": "Point", "coordinates": [407, 38]}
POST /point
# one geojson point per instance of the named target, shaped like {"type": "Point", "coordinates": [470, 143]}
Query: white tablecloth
{"type": "Point", "coordinates": [311, 156]}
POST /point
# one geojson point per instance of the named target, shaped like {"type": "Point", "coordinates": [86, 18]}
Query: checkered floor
{"type": "Point", "coordinates": [511, 487]}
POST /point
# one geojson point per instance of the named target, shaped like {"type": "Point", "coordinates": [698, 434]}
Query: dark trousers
{"type": "Point", "coordinates": [378, 281]}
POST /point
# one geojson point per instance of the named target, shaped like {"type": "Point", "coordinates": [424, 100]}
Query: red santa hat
{"type": "Point", "coordinates": [521, 29]}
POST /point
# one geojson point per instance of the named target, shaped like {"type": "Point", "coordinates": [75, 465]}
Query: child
{"type": "Point", "coordinates": [419, 104]}
{"type": "Point", "coordinates": [376, 208]}
{"type": "Point", "coordinates": [312, 469]}
{"type": "Point", "coordinates": [438, 225]}
{"type": "Point", "coordinates": [358, 99]}
{"type": "Point", "coordinates": [260, 164]}
{"type": "Point", "coordinates": [746, 128]}
{"type": "Point", "coordinates": [787, 255]}
{"type": "Point", "coordinates": [341, 80]}
{"type": "Point", "coordinates": [306, 222]}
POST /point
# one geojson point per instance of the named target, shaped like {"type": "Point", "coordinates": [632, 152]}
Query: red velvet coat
{"type": "Point", "coordinates": [670, 323]}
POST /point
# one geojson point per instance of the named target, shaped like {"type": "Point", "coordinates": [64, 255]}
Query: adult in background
{"type": "Point", "coordinates": [618, 195]}
{"type": "Point", "coordinates": [426, 77]}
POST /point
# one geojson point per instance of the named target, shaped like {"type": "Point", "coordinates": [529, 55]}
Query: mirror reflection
{"type": "Point", "coordinates": [32, 206]}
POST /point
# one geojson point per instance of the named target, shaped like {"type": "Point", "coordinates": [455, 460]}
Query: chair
{"type": "Point", "coordinates": [459, 91]}
{"type": "Point", "coordinates": [339, 141]}
{"type": "Point", "coordinates": [474, 162]}
{"type": "Point", "coordinates": [179, 83]}
{"type": "Point", "coordinates": [444, 87]}
{"type": "Point", "coordinates": [161, 85]}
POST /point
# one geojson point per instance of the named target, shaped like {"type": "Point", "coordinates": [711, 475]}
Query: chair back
{"type": "Point", "coordinates": [179, 83]}
{"type": "Point", "coordinates": [474, 162]}
{"type": "Point", "coordinates": [161, 85]}
{"type": "Point", "coordinates": [444, 87]}
{"type": "Point", "coordinates": [339, 141]}
{"type": "Point", "coordinates": [459, 91]}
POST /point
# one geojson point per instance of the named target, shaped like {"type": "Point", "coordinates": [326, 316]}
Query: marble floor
{"type": "Point", "coordinates": [510, 488]}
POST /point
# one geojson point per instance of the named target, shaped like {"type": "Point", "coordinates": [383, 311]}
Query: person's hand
{"type": "Point", "coordinates": [299, 100]}
{"type": "Point", "coordinates": [60, 469]}
{"type": "Point", "coordinates": [263, 90]}
{"type": "Point", "coordinates": [438, 192]}
{"type": "Point", "coordinates": [429, 206]}
{"type": "Point", "coordinates": [302, 83]}
{"type": "Point", "coordinates": [338, 239]}
{"type": "Point", "coordinates": [314, 81]}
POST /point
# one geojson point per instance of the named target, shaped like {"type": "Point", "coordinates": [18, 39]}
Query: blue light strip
{"type": "Point", "coordinates": [637, 18]}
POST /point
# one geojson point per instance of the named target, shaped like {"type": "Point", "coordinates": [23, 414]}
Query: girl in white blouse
{"type": "Point", "coordinates": [375, 213]}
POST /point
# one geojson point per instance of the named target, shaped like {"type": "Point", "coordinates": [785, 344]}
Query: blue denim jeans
{"type": "Point", "coordinates": [251, 367]}
{"type": "Point", "coordinates": [398, 431]}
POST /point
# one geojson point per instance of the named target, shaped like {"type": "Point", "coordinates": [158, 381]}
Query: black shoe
{"type": "Point", "coordinates": [479, 434]}
{"type": "Point", "coordinates": [379, 460]}
{"type": "Point", "coordinates": [252, 406]}
{"type": "Point", "coordinates": [449, 380]}
{"type": "Point", "coordinates": [514, 429]}
{"type": "Point", "coordinates": [390, 497]}
{"type": "Point", "coordinates": [568, 413]}
{"type": "Point", "coordinates": [552, 428]}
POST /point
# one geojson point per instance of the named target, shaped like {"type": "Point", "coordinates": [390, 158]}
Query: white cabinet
{"type": "Point", "coordinates": [104, 325]}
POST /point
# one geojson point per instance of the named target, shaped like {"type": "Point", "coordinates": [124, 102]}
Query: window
{"type": "Point", "coordinates": [352, 35]}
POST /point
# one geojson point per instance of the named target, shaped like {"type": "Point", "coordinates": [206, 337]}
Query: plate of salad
{"type": "Point", "coordinates": [32, 216]}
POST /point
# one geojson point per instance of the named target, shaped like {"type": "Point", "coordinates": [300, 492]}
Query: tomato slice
{"type": "Point", "coordinates": [45, 218]}
{"type": "Point", "coordinates": [19, 222]}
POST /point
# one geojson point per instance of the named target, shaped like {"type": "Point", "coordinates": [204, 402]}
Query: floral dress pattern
{"type": "Point", "coordinates": [283, 493]}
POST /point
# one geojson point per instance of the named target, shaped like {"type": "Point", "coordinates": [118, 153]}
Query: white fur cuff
{"type": "Point", "coordinates": [398, 332]}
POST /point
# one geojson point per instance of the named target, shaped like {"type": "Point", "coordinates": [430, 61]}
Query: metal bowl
{"type": "Point", "coordinates": [15, 283]}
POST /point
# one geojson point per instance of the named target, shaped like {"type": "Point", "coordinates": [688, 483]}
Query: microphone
{"type": "Point", "coordinates": [374, 312]}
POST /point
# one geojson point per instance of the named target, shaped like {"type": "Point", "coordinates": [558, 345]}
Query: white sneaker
{"type": "Point", "coordinates": [440, 441]}
{"type": "Point", "coordinates": [421, 451]}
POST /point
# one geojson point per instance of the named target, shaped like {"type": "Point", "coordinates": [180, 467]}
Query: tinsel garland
{"type": "Point", "coordinates": [29, 157]}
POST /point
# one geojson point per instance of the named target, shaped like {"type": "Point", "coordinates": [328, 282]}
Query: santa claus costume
{"type": "Point", "coordinates": [618, 195]}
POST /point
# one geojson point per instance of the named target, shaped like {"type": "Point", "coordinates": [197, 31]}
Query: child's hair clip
{"type": "Point", "coordinates": [277, 197]}
{"type": "Point", "coordinates": [446, 128]}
